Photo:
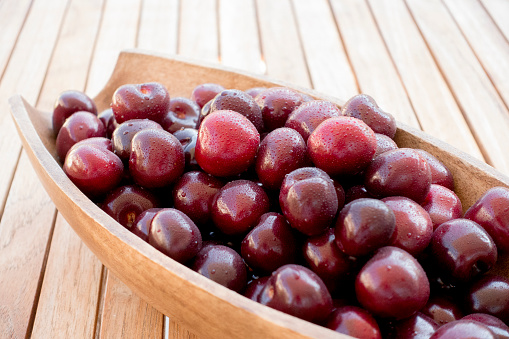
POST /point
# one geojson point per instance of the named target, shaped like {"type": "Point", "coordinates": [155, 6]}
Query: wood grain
{"type": "Point", "coordinates": [478, 99]}
{"type": "Point", "coordinates": [68, 300]}
{"type": "Point", "coordinates": [425, 85]}
{"type": "Point", "coordinates": [142, 321]}
{"type": "Point", "coordinates": [158, 29]}
{"type": "Point", "coordinates": [25, 230]}
{"type": "Point", "coordinates": [198, 32]}
{"type": "Point", "coordinates": [486, 40]}
{"type": "Point", "coordinates": [25, 74]}
{"type": "Point", "coordinates": [12, 17]}
{"type": "Point", "coordinates": [326, 58]}
{"type": "Point", "coordinates": [281, 47]}
{"type": "Point", "coordinates": [118, 30]}
{"type": "Point", "coordinates": [238, 32]}
{"type": "Point", "coordinates": [370, 60]}
{"type": "Point", "coordinates": [498, 10]}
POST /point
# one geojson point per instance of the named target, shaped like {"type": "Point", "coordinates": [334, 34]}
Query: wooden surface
{"type": "Point", "coordinates": [437, 65]}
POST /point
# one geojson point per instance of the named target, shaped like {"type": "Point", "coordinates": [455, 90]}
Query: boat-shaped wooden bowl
{"type": "Point", "coordinates": [209, 309]}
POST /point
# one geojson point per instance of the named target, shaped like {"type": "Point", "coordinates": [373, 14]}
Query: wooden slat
{"type": "Point", "coordinates": [24, 233]}
{"type": "Point", "coordinates": [281, 46]}
{"type": "Point", "coordinates": [487, 41]}
{"type": "Point", "coordinates": [25, 74]}
{"type": "Point", "coordinates": [499, 11]}
{"type": "Point", "coordinates": [431, 98]}
{"type": "Point", "coordinates": [158, 26]}
{"type": "Point", "coordinates": [198, 31]}
{"type": "Point", "coordinates": [478, 99]}
{"type": "Point", "coordinates": [326, 58]}
{"type": "Point", "coordinates": [12, 17]}
{"type": "Point", "coordinates": [68, 300]}
{"type": "Point", "coordinates": [369, 57]}
{"type": "Point", "coordinates": [143, 321]}
{"type": "Point", "coordinates": [118, 31]}
{"type": "Point", "coordinates": [238, 31]}
{"type": "Point", "coordinates": [69, 295]}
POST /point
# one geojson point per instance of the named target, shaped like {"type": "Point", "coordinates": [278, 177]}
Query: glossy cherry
{"type": "Point", "coordinates": [463, 329]}
{"type": "Point", "coordinates": [442, 204]}
{"type": "Point", "coordinates": [182, 113]}
{"type": "Point", "coordinates": [141, 225]}
{"type": "Point", "coordinates": [276, 104]}
{"type": "Point", "coordinates": [203, 93]}
{"type": "Point", "coordinates": [440, 174]}
{"type": "Point", "coordinates": [355, 322]}
{"type": "Point", "coordinates": [124, 133]}
{"type": "Point", "coordinates": [489, 294]}
{"type": "Point", "coordinates": [240, 102]}
{"type": "Point", "coordinates": [384, 144]}
{"type": "Point", "coordinates": [70, 102]}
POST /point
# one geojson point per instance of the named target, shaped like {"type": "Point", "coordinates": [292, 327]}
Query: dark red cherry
{"type": "Point", "coordinates": [491, 212]}
{"type": "Point", "coordinates": [255, 287]}
{"type": "Point", "coordinates": [222, 265]}
{"type": "Point", "coordinates": [418, 326]}
{"type": "Point", "coordinates": [70, 102]}
{"type": "Point", "coordinates": [254, 91]}
{"type": "Point", "coordinates": [497, 326]}
{"type": "Point", "coordinates": [141, 226]}
{"type": "Point", "coordinates": [365, 108]}
{"type": "Point", "coordinates": [175, 234]}
{"type": "Point", "coordinates": [270, 244]}
{"type": "Point", "coordinates": [298, 291]}
{"type": "Point", "coordinates": [442, 310]}
{"type": "Point", "coordinates": [384, 144]}
{"type": "Point", "coordinates": [276, 104]}
{"type": "Point", "coordinates": [489, 294]}
{"type": "Point", "coordinates": [240, 102]}
{"type": "Point", "coordinates": [126, 203]}
{"type": "Point", "coordinates": [355, 322]}
{"type": "Point", "coordinates": [392, 284]}
{"type": "Point", "coordinates": [205, 92]}
{"type": "Point", "coordinates": [140, 101]}
{"type": "Point", "coordinates": [281, 151]}
{"type": "Point", "coordinates": [363, 226]}
{"type": "Point", "coordinates": [182, 113]}
{"type": "Point", "coordinates": [442, 204]}
{"type": "Point", "coordinates": [306, 118]}
{"type": "Point", "coordinates": [188, 138]}
{"type": "Point", "coordinates": [123, 135]}
{"type": "Point", "coordinates": [108, 120]}
{"type": "Point", "coordinates": [440, 174]}
{"type": "Point", "coordinates": [463, 329]}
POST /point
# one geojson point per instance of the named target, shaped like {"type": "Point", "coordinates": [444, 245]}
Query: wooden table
{"type": "Point", "coordinates": [439, 65]}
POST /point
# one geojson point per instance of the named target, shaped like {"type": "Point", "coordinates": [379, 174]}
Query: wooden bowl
{"type": "Point", "coordinates": [209, 309]}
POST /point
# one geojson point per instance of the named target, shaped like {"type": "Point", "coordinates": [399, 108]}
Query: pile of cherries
{"type": "Point", "coordinates": [295, 203]}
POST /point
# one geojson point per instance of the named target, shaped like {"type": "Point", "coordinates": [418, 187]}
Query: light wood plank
{"type": "Point", "coordinates": [198, 32]}
{"type": "Point", "coordinates": [281, 47]}
{"type": "Point", "coordinates": [372, 64]}
{"type": "Point", "coordinates": [159, 25]}
{"type": "Point", "coordinates": [68, 300]}
{"type": "Point", "coordinates": [484, 37]}
{"type": "Point", "coordinates": [478, 99]}
{"type": "Point", "coordinates": [142, 322]}
{"type": "Point", "coordinates": [326, 58]}
{"type": "Point", "coordinates": [24, 233]}
{"type": "Point", "coordinates": [25, 74]}
{"type": "Point", "coordinates": [12, 17]}
{"type": "Point", "coordinates": [118, 31]}
{"type": "Point", "coordinates": [238, 31]}
{"type": "Point", "coordinates": [432, 100]}
{"type": "Point", "coordinates": [499, 11]}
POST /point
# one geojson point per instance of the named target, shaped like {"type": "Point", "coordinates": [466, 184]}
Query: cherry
{"type": "Point", "coordinates": [68, 103]}
{"type": "Point", "coordinates": [123, 135]}
{"type": "Point", "coordinates": [392, 284]}
{"type": "Point", "coordinates": [463, 329]}
{"type": "Point", "coordinates": [182, 113]}
{"type": "Point", "coordinates": [364, 107]}
{"type": "Point", "coordinates": [462, 249]}
{"type": "Point", "coordinates": [363, 226]}
{"type": "Point", "coordinates": [193, 194]}
{"type": "Point", "coordinates": [440, 174]}
{"type": "Point", "coordinates": [254, 91]}
{"type": "Point", "coordinates": [237, 206]}
{"type": "Point", "coordinates": [342, 146]}
{"type": "Point", "coordinates": [400, 172]}
{"type": "Point", "coordinates": [270, 244]}
{"type": "Point", "coordinates": [276, 104]}
{"type": "Point", "coordinates": [141, 226]}
{"type": "Point", "coordinates": [281, 151]}
{"type": "Point", "coordinates": [491, 212]}
{"type": "Point", "coordinates": [93, 168]}
{"type": "Point", "coordinates": [442, 310]}
{"type": "Point", "coordinates": [157, 158]}
{"type": "Point", "coordinates": [308, 200]}
{"type": "Point", "coordinates": [126, 203]}
{"type": "Point", "coordinates": [418, 326]}
{"type": "Point", "coordinates": [306, 118]}
{"type": "Point", "coordinates": [489, 294]}
{"type": "Point", "coordinates": [108, 120]}
{"type": "Point", "coordinates": [205, 92]}
{"type": "Point", "coordinates": [240, 102]}
{"type": "Point", "coordinates": [414, 227]}
{"type": "Point", "coordinates": [140, 101]}
{"type": "Point", "coordinates": [79, 126]}
{"type": "Point", "coordinates": [255, 287]}
{"type": "Point", "coordinates": [497, 326]}
{"type": "Point", "coordinates": [222, 265]}
{"type": "Point", "coordinates": [227, 144]}
{"type": "Point", "coordinates": [384, 144]}
{"type": "Point", "coordinates": [188, 138]}
{"type": "Point", "coordinates": [442, 204]}
{"type": "Point", "coordinates": [354, 321]}
{"type": "Point", "coordinates": [175, 234]}
{"type": "Point", "coordinates": [298, 291]}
